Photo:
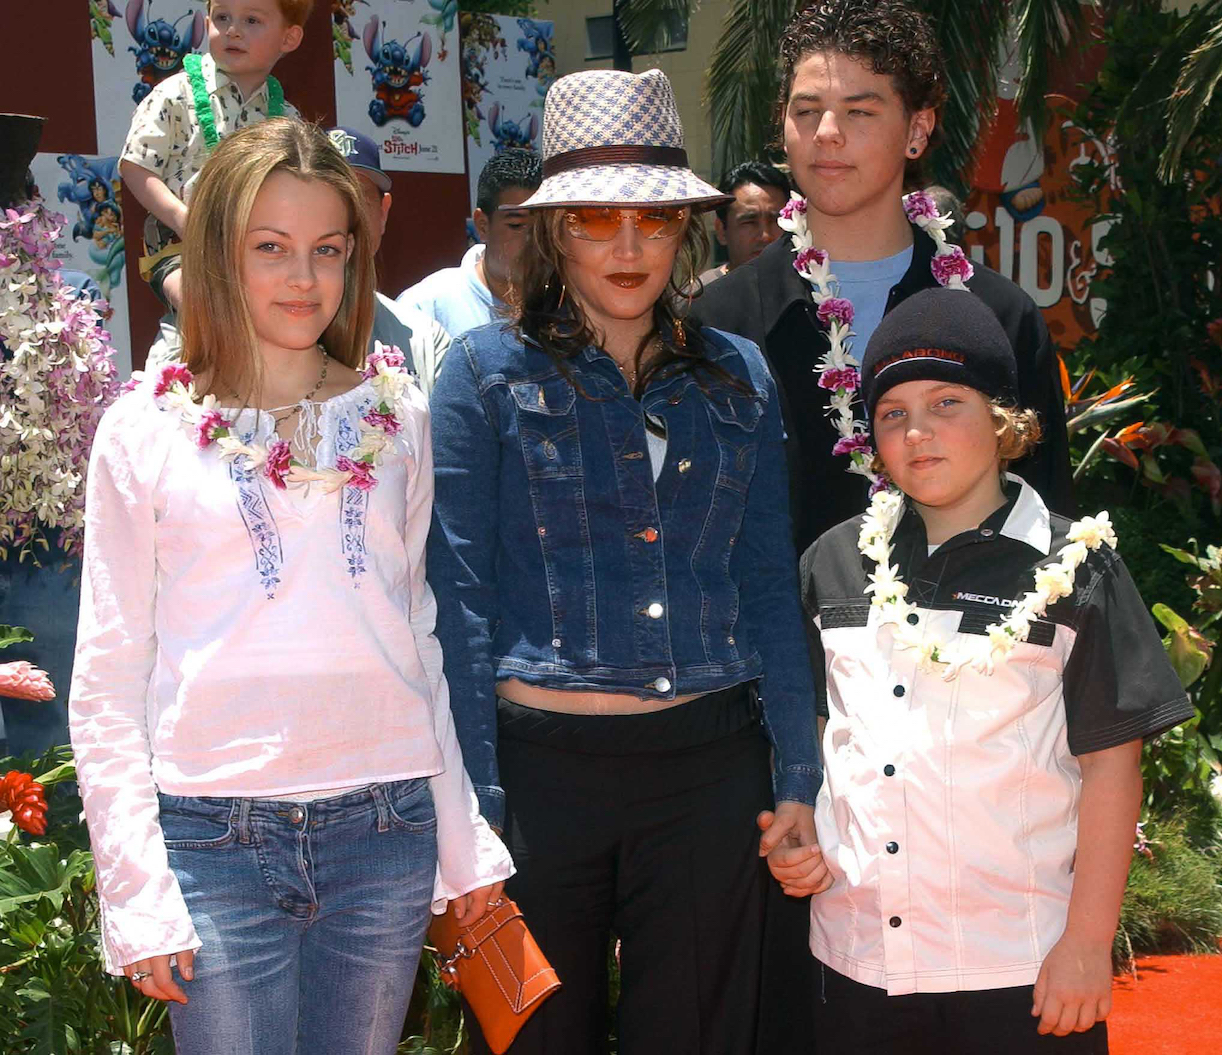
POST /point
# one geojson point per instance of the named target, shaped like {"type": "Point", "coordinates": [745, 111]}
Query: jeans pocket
{"type": "Point", "coordinates": [410, 804]}
{"type": "Point", "coordinates": [196, 824]}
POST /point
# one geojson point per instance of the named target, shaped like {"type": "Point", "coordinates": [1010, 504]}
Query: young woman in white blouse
{"type": "Point", "coordinates": [273, 786]}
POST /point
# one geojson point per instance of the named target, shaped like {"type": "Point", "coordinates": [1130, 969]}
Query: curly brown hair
{"type": "Point", "coordinates": [889, 36]}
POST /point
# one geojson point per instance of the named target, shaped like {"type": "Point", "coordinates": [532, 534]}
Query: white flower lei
{"type": "Point", "coordinates": [890, 591]}
{"type": "Point", "coordinates": [175, 390]}
{"type": "Point", "coordinates": [839, 370]}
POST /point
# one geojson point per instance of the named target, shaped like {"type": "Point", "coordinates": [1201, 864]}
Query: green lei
{"type": "Point", "coordinates": [193, 64]}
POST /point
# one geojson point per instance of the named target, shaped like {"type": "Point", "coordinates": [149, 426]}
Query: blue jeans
{"type": "Point", "coordinates": [312, 916]}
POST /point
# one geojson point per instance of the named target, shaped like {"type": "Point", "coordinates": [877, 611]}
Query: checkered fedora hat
{"type": "Point", "coordinates": [614, 138]}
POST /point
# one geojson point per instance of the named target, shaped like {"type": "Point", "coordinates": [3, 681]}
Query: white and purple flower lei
{"type": "Point", "coordinates": [839, 371]}
{"type": "Point", "coordinates": [174, 389]}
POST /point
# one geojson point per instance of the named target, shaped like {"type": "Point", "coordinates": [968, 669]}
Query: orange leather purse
{"type": "Point", "coordinates": [497, 966]}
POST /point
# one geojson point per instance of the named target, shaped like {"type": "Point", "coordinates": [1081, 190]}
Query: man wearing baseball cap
{"type": "Point", "coordinates": [398, 324]}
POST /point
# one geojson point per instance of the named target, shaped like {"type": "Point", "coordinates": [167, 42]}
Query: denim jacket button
{"type": "Point", "coordinates": [654, 611]}
{"type": "Point", "coordinates": [542, 531]}
{"type": "Point", "coordinates": [662, 684]}
{"type": "Point", "coordinates": [648, 535]}
{"type": "Point", "coordinates": [556, 642]}
{"type": "Point", "coordinates": [549, 448]}
{"type": "Point", "coordinates": [684, 464]}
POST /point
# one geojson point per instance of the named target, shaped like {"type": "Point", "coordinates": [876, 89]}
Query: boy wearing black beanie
{"type": "Point", "coordinates": [989, 672]}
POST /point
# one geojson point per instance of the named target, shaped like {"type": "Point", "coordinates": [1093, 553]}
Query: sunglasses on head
{"type": "Point", "coordinates": [601, 223]}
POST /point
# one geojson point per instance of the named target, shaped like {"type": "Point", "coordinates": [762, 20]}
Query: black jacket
{"type": "Point", "coordinates": [770, 303]}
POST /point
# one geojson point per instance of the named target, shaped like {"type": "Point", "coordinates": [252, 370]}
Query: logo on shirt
{"type": "Point", "coordinates": [984, 598]}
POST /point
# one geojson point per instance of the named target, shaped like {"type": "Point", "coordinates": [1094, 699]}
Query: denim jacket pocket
{"type": "Point", "coordinates": [547, 428]}
{"type": "Point", "coordinates": [735, 420]}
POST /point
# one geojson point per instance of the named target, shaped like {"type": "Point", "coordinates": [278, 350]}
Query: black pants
{"type": "Point", "coordinates": [864, 1020]}
{"type": "Point", "coordinates": [642, 827]}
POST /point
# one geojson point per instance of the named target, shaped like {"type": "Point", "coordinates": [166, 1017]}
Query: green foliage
{"type": "Point", "coordinates": [54, 995]}
{"type": "Point", "coordinates": [1173, 902]}
{"type": "Point", "coordinates": [13, 635]}
{"type": "Point", "coordinates": [1180, 768]}
{"type": "Point", "coordinates": [1164, 239]}
{"type": "Point", "coordinates": [518, 8]}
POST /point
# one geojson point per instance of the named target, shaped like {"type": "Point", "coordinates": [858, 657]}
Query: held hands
{"type": "Point", "coordinates": [791, 846]}
{"type": "Point", "coordinates": [1074, 987]}
{"type": "Point", "coordinates": [470, 907]}
{"type": "Point", "coordinates": [151, 976]}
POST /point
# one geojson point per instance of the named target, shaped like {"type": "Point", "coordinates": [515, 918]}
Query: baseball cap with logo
{"type": "Point", "coordinates": [362, 153]}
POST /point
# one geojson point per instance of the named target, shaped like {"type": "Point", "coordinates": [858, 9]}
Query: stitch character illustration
{"type": "Point", "coordinates": [101, 14]}
{"type": "Point", "coordinates": [398, 75]}
{"type": "Point", "coordinates": [343, 32]}
{"type": "Point", "coordinates": [536, 41]}
{"type": "Point", "coordinates": [160, 48]}
{"type": "Point", "coordinates": [93, 185]}
{"type": "Point", "coordinates": [481, 38]}
{"type": "Point", "coordinates": [509, 134]}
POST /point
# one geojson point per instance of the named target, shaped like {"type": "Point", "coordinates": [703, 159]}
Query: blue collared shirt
{"type": "Point", "coordinates": [558, 559]}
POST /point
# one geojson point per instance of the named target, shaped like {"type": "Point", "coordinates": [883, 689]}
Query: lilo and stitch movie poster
{"type": "Point", "coordinates": [397, 79]}
{"type": "Point", "coordinates": [507, 66]}
{"type": "Point", "coordinates": [136, 45]}
{"type": "Point", "coordinates": [85, 190]}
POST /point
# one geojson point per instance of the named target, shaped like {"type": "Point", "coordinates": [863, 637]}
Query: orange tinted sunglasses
{"type": "Point", "coordinates": [597, 223]}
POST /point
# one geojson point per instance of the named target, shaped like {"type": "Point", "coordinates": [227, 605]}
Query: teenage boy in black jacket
{"type": "Point", "coordinates": [863, 81]}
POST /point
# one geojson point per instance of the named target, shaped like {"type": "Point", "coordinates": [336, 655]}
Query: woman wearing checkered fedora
{"type": "Point", "coordinates": [617, 601]}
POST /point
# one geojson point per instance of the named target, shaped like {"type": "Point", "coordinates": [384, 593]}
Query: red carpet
{"type": "Point", "coordinates": [1174, 1007]}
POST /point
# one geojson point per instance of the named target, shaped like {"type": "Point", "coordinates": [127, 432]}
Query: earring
{"type": "Point", "coordinates": [912, 151]}
{"type": "Point", "coordinates": [563, 290]}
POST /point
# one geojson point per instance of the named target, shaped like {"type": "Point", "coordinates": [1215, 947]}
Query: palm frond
{"type": "Point", "coordinates": [645, 23]}
{"type": "Point", "coordinates": [743, 80]}
{"type": "Point", "coordinates": [1194, 90]}
{"type": "Point", "coordinates": [1046, 30]}
{"type": "Point", "coordinates": [971, 36]}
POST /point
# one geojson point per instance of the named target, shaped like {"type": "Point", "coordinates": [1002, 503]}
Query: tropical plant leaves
{"type": "Point", "coordinates": [12, 635]}
{"type": "Point", "coordinates": [35, 873]}
{"type": "Point", "coordinates": [1198, 80]}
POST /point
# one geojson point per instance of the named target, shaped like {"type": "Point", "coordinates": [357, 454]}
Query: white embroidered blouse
{"type": "Point", "coordinates": [239, 640]}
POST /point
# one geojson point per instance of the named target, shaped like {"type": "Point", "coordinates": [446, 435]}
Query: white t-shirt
{"type": "Point", "coordinates": [455, 296]}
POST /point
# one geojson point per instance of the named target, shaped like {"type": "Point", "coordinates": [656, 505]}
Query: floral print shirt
{"type": "Point", "coordinates": [165, 135]}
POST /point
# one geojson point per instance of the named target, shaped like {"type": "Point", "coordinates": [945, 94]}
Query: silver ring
{"type": "Point", "coordinates": [140, 976]}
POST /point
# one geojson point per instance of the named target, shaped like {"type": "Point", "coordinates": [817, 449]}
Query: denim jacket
{"type": "Point", "coordinates": [556, 558]}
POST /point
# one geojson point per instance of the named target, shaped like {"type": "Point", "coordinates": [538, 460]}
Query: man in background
{"type": "Point", "coordinates": [748, 225]}
{"type": "Point", "coordinates": [416, 334]}
{"type": "Point", "coordinates": [475, 293]}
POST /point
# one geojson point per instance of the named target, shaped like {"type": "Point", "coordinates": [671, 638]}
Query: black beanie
{"type": "Point", "coordinates": [939, 335]}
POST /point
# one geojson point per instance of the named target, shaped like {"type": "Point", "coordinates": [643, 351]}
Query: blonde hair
{"type": "Point", "coordinates": [295, 12]}
{"type": "Point", "coordinates": [1017, 430]}
{"type": "Point", "coordinates": [217, 330]}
